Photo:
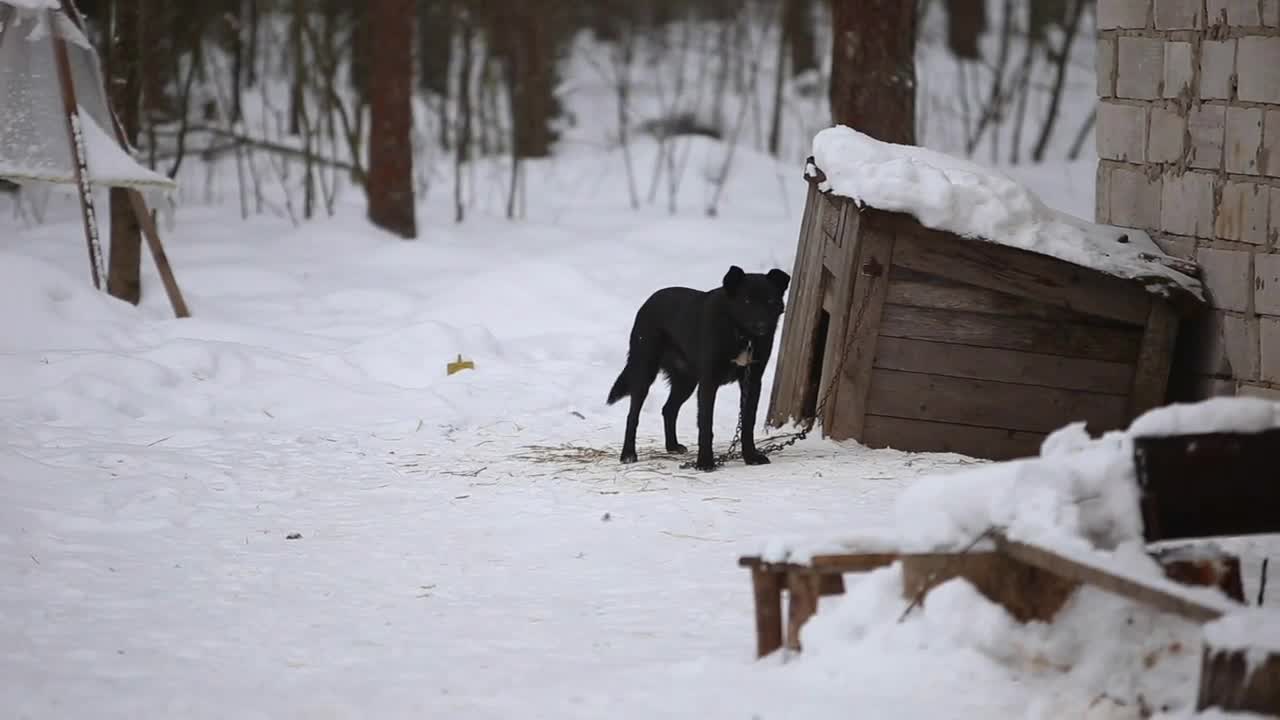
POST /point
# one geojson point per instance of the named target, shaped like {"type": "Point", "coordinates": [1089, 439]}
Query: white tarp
{"type": "Point", "coordinates": [34, 145]}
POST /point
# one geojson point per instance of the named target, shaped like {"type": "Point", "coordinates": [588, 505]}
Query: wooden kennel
{"type": "Point", "coordinates": [954, 344]}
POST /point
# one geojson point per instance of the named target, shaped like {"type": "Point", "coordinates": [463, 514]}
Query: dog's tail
{"type": "Point", "coordinates": [620, 389]}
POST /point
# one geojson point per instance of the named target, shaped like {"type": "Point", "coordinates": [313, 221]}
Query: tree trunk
{"type": "Point", "coordinates": [462, 144]}
{"type": "Point", "coordinates": [527, 37]}
{"type": "Point", "coordinates": [1061, 61]}
{"type": "Point", "coordinates": [251, 75]}
{"type": "Point", "coordinates": [160, 61]}
{"type": "Point", "coordinates": [775, 118]}
{"type": "Point", "coordinates": [236, 29]}
{"type": "Point", "coordinates": [873, 77]}
{"type": "Point", "coordinates": [797, 28]}
{"type": "Point", "coordinates": [296, 96]}
{"type": "Point", "coordinates": [435, 36]}
{"type": "Point", "coordinates": [390, 183]}
{"type": "Point", "coordinates": [125, 85]}
{"type": "Point", "coordinates": [966, 21]}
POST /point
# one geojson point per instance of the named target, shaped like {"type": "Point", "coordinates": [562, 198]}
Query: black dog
{"type": "Point", "coordinates": [703, 340]}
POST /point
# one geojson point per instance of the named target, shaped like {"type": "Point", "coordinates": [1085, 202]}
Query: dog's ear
{"type": "Point", "coordinates": [733, 279]}
{"type": "Point", "coordinates": [780, 279]}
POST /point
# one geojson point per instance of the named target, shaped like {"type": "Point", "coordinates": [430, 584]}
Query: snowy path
{"type": "Point", "coordinates": [411, 589]}
{"type": "Point", "coordinates": [152, 469]}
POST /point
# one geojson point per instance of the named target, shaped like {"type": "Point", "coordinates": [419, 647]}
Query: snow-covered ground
{"type": "Point", "coordinates": [469, 543]}
{"type": "Point", "coordinates": [463, 545]}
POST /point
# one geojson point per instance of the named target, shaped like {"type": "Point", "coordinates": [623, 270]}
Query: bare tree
{"type": "Point", "coordinates": [873, 77]}
{"type": "Point", "coordinates": [966, 21]}
{"type": "Point", "coordinates": [1061, 57]}
{"type": "Point", "coordinates": [125, 85]}
{"type": "Point", "coordinates": [528, 37]}
{"type": "Point", "coordinates": [390, 182]}
{"type": "Point", "coordinates": [797, 32]}
{"type": "Point", "coordinates": [462, 141]}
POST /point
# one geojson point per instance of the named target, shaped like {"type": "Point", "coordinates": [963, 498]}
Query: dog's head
{"type": "Point", "coordinates": [755, 299]}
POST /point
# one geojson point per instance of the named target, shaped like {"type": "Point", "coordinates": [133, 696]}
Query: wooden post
{"type": "Point", "coordinates": [136, 201]}
{"type": "Point", "coordinates": [767, 584]}
{"type": "Point", "coordinates": [803, 589]}
{"type": "Point", "coordinates": [1151, 372]}
{"type": "Point", "coordinates": [148, 225]}
{"type": "Point", "coordinates": [1165, 600]}
{"type": "Point", "coordinates": [1204, 567]}
{"type": "Point", "coordinates": [1027, 592]}
{"type": "Point", "coordinates": [1235, 681]}
{"type": "Point", "coordinates": [75, 141]}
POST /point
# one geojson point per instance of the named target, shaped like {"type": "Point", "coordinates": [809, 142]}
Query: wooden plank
{"type": "Point", "coordinates": [1025, 274]}
{"type": "Point", "coordinates": [802, 604]}
{"type": "Point", "coordinates": [984, 403]}
{"type": "Point", "coordinates": [1028, 593]}
{"type": "Point", "coordinates": [1014, 366]}
{"type": "Point", "coordinates": [1238, 680]}
{"type": "Point", "coordinates": [910, 287]}
{"type": "Point", "coordinates": [838, 260]}
{"type": "Point", "coordinates": [927, 436]}
{"type": "Point", "coordinates": [852, 562]}
{"type": "Point", "coordinates": [1155, 355]}
{"type": "Point", "coordinates": [158, 254]}
{"type": "Point", "coordinates": [1208, 485]}
{"type": "Point", "coordinates": [800, 321]}
{"type": "Point", "coordinates": [1167, 600]}
{"type": "Point", "coordinates": [1107, 344]}
{"type": "Point", "coordinates": [767, 586]}
{"type": "Point", "coordinates": [830, 585]}
{"type": "Point", "coordinates": [75, 143]}
{"type": "Point", "coordinates": [856, 336]}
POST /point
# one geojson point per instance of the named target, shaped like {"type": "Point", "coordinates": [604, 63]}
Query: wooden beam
{"type": "Point", "coordinates": [800, 319]}
{"type": "Point", "coordinates": [767, 586]}
{"type": "Point", "coordinates": [1240, 681]}
{"type": "Point", "coordinates": [856, 334]}
{"type": "Point", "coordinates": [803, 591]}
{"type": "Point", "coordinates": [909, 435]}
{"type": "Point", "coordinates": [75, 141]}
{"type": "Point", "coordinates": [1155, 355]}
{"type": "Point", "coordinates": [1106, 344]}
{"type": "Point", "coordinates": [1137, 590]}
{"type": "Point", "coordinates": [1018, 272]}
{"type": "Point", "coordinates": [148, 225]}
{"type": "Point", "coordinates": [986, 403]}
{"type": "Point", "coordinates": [839, 251]}
{"type": "Point", "coordinates": [1003, 365]}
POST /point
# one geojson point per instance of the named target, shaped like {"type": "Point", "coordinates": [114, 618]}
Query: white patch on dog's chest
{"type": "Point", "coordinates": [743, 358]}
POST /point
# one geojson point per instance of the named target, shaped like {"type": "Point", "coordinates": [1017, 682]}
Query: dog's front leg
{"type": "Point", "coordinates": [749, 389]}
{"type": "Point", "coordinates": [706, 412]}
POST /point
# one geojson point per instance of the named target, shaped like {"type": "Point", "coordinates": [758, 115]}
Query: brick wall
{"type": "Point", "coordinates": [1189, 150]}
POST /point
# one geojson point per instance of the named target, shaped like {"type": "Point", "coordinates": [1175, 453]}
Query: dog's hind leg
{"type": "Point", "coordinates": [642, 370]}
{"type": "Point", "coordinates": [681, 389]}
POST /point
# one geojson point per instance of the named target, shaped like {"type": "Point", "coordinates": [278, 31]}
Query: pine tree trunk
{"type": "Point", "coordinates": [390, 183]}
{"type": "Point", "coordinates": [873, 77]}
{"type": "Point", "coordinates": [296, 96]}
{"type": "Point", "coordinates": [797, 27]}
{"type": "Point", "coordinates": [435, 36]}
{"type": "Point", "coordinates": [527, 36]}
{"type": "Point", "coordinates": [125, 85]}
{"type": "Point", "coordinates": [966, 21]}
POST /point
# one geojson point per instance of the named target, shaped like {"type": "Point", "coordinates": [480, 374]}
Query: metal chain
{"type": "Point", "coordinates": [780, 442]}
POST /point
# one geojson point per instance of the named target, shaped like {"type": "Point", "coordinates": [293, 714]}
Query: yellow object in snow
{"type": "Point", "coordinates": [459, 364]}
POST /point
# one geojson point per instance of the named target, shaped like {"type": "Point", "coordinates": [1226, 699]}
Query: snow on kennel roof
{"type": "Point", "coordinates": [957, 196]}
{"type": "Point", "coordinates": [33, 132]}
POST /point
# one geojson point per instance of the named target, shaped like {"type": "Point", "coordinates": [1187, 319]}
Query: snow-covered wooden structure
{"type": "Point", "coordinates": [936, 305]}
{"type": "Point", "coordinates": [57, 127]}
